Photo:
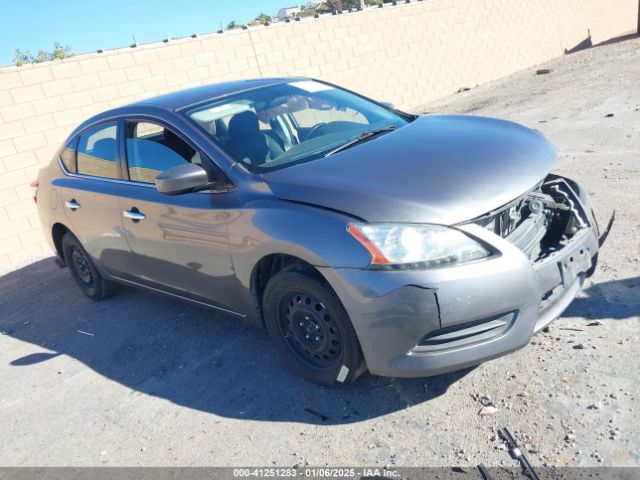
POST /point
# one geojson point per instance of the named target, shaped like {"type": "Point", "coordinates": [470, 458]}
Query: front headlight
{"type": "Point", "coordinates": [416, 245]}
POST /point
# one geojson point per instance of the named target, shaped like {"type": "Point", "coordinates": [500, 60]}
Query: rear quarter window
{"type": "Point", "coordinates": [68, 155]}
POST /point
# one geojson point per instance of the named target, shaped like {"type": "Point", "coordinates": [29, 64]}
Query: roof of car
{"type": "Point", "coordinates": [192, 96]}
{"type": "Point", "coordinates": [185, 98]}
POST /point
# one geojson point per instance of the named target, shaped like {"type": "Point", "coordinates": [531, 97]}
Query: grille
{"type": "Point", "coordinates": [522, 222]}
{"type": "Point", "coordinates": [506, 220]}
{"type": "Point", "coordinates": [540, 222]}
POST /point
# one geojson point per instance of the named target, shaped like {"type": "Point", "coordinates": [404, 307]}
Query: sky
{"type": "Point", "coordinates": [88, 25]}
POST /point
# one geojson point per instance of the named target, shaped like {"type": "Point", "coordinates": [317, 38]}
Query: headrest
{"type": "Point", "coordinates": [243, 125]}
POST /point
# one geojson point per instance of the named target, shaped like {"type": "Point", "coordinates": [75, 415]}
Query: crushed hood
{"type": "Point", "coordinates": [436, 169]}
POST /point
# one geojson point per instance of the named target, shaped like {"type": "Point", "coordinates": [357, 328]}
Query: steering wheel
{"type": "Point", "coordinates": [316, 131]}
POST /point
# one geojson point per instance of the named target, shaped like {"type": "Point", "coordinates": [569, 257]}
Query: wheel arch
{"type": "Point", "coordinates": [58, 230]}
{"type": "Point", "coordinates": [295, 272]}
{"type": "Point", "coordinates": [269, 265]}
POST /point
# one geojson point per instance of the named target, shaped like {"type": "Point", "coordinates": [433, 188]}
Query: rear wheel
{"type": "Point", "coordinates": [83, 271]}
{"type": "Point", "coordinates": [310, 327]}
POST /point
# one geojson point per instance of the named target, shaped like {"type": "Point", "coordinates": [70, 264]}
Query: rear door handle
{"type": "Point", "coordinates": [134, 215]}
{"type": "Point", "coordinates": [72, 205]}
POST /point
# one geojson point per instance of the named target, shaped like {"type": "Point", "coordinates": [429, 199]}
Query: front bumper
{"type": "Point", "coordinates": [414, 323]}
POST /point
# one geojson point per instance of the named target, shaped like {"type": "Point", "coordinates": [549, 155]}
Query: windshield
{"type": "Point", "coordinates": [280, 125]}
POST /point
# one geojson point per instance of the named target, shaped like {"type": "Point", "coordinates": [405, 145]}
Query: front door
{"type": "Point", "coordinates": [179, 242]}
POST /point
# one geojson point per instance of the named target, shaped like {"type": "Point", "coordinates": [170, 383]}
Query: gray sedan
{"type": "Point", "coordinates": [361, 237]}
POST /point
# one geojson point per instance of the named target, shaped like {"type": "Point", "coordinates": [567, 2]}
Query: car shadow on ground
{"type": "Point", "coordinates": [615, 299]}
{"type": "Point", "coordinates": [189, 355]}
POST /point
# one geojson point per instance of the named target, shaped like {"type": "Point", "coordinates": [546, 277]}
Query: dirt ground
{"type": "Point", "coordinates": [141, 379]}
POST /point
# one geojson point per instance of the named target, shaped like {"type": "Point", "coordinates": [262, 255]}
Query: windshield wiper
{"type": "Point", "coordinates": [363, 137]}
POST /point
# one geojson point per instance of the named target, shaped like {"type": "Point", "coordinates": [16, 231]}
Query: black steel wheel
{"type": "Point", "coordinates": [310, 327]}
{"type": "Point", "coordinates": [83, 271]}
{"type": "Point", "coordinates": [80, 264]}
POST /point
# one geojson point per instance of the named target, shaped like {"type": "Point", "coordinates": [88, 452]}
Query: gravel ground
{"type": "Point", "coordinates": [145, 380]}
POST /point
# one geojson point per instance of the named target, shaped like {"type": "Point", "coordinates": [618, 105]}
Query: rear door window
{"type": "Point", "coordinates": [97, 151]}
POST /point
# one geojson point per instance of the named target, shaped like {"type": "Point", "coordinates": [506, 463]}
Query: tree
{"type": "Point", "coordinates": [329, 6]}
{"type": "Point", "coordinates": [332, 5]}
{"type": "Point", "coordinates": [260, 19]}
{"type": "Point", "coordinates": [232, 24]}
{"type": "Point", "coordinates": [355, 4]}
{"type": "Point", "coordinates": [350, 4]}
{"type": "Point", "coordinates": [59, 52]}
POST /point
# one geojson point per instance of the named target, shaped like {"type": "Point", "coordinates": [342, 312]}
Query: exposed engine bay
{"type": "Point", "coordinates": [542, 221]}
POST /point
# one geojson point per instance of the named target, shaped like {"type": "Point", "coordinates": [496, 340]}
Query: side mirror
{"type": "Point", "coordinates": [184, 178]}
{"type": "Point", "coordinates": [389, 105]}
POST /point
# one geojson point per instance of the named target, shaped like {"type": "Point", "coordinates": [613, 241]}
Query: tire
{"type": "Point", "coordinates": [84, 271]}
{"type": "Point", "coordinates": [311, 329]}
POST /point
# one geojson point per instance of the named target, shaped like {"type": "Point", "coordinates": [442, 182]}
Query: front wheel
{"type": "Point", "coordinates": [310, 327]}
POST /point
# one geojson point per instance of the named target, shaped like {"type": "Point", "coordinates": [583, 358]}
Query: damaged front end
{"type": "Point", "coordinates": [427, 321]}
{"type": "Point", "coordinates": [543, 221]}
{"type": "Point", "coordinates": [555, 227]}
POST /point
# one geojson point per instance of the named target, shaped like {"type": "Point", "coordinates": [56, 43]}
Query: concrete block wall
{"type": "Point", "coordinates": [406, 54]}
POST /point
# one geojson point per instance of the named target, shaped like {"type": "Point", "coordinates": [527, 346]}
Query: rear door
{"type": "Point", "coordinates": [89, 195]}
{"type": "Point", "coordinates": [179, 242]}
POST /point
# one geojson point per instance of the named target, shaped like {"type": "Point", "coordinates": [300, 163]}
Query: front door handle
{"type": "Point", "coordinates": [134, 215]}
{"type": "Point", "coordinates": [72, 205]}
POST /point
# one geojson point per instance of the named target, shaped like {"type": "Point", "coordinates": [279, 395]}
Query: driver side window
{"type": "Point", "coordinates": [151, 149]}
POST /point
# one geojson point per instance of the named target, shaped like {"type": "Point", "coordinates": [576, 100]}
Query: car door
{"type": "Point", "coordinates": [88, 193]}
{"type": "Point", "coordinates": [179, 243]}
